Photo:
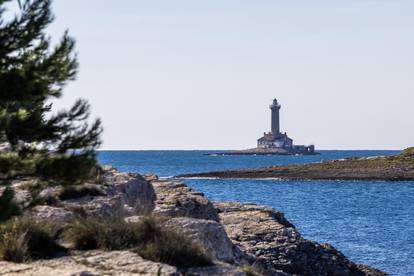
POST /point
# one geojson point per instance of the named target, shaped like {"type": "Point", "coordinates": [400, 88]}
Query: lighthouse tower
{"type": "Point", "coordinates": [275, 128]}
{"type": "Point", "coordinates": [275, 142]}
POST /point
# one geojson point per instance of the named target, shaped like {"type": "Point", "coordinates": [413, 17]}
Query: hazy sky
{"type": "Point", "coordinates": [201, 74]}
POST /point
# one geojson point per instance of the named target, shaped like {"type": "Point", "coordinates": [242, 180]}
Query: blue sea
{"type": "Point", "coordinates": [371, 222]}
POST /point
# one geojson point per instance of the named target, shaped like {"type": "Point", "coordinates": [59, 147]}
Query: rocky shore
{"type": "Point", "coordinates": [388, 168]}
{"type": "Point", "coordinates": [241, 238]}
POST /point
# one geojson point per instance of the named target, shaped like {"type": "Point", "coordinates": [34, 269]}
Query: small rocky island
{"type": "Point", "coordinates": [274, 142]}
{"type": "Point", "coordinates": [222, 238]}
{"type": "Point", "coordinates": [388, 168]}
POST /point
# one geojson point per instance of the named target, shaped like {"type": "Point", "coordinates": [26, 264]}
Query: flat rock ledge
{"type": "Point", "coordinates": [90, 263]}
{"type": "Point", "coordinates": [113, 263]}
{"type": "Point", "coordinates": [239, 237]}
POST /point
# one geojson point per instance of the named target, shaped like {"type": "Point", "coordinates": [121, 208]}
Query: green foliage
{"type": "Point", "coordinates": [71, 192]}
{"type": "Point", "coordinates": [58, 147]}
{"type": "Point", "coordinates": [146, 237]}
{"type": "Point", "coordinates": [22, 239]}
{"type": "Point", "coordinates": [8, 208]}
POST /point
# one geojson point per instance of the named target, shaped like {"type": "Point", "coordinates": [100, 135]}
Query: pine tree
{"type": "Point", "coordinates": [57, 147]}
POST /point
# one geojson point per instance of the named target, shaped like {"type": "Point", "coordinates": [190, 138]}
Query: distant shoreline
{"type": "Point", "coordinates": [382, 168]}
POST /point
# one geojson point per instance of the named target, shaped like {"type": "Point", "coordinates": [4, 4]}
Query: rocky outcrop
{"type": "Point", "coordinates": [98, 206]}
{"type": "Point", "coordinates": [120, 194]}
{"type": "Point", "coordinates": [137, 194]}
{"type": "Point", "coordinates": [208, 233]}
{"type": "Point", "coordinates": [175, 199]}
{"type": "Point", "coordinates": [22, 195]}
{"type": "Point", "coordinates": [278, 247]}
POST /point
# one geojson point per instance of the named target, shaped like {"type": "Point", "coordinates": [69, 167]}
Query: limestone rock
{"type": "Point", "coordinates": [50, 192]}
{"type": "Point", "coordinates": [97, 206]}
{"type": "Point", "coordinates": [208, 233]}
{"type": "Point", "coordinates": [175, 199]}
{"type": "Point", "coordinates": [110, 263]}
{"type": "Point", "coordinates": [277, 246]}
{"type": "Point", "coordinates": [136, 193]}
{"type": "Point", "coordinates": [120, 194]}
{"type": "Point", "coordinates": [133, 219]}
{"type": "Point", "coordinates": [5, 147]}
{"type": "Point", "coordinates": [125, 194]}
{"type": "Point", "coordinates": [150, 177]}
{"type": "Point", "coordinates": [90, 263]}
{"type": "Point", "coordinates": [22, 195]}
{"type": "Point", "coordinates": [57, 215]}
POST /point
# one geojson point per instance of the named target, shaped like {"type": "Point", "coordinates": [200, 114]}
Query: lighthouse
{"type": "Point", "coordinates": [278, 142]}
{"type": "Point", "coordinates": [275, 127]}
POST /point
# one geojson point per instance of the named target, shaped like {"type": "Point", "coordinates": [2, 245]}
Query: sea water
{"type": "Point", "coordinates": [371, 222]}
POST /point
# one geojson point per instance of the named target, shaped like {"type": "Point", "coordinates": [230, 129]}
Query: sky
{"type": "Point", "coordinates": [191, 74]}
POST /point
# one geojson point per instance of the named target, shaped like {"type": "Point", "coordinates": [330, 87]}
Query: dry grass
{"type": "Point", "coordinates": [170, 247]}
{"type": "Point", "coordinates": [115, 234]}
{"type": "Point", "coordinates": [146, 237]}
{"type": "Point", "coordinates": [21, 239]}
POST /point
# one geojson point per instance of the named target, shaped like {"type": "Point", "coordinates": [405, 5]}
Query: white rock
{"type": "Point", "coordinates": [51, 214]}
{"type": "Point", "coordinates": [135, 192]}
{"type": "Point", "coordinates": [208, 233]}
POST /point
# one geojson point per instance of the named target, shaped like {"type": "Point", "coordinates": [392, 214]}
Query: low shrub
{"type": "Point", "coordinates": [78, 211]}
{"type": "Point", "coordinates": [84, 234]}
{"type": "Point", "coordinates": [13, 245]}
{"type": "Point", "coordinates": [175, 249]}
{"type": "Point", "coordinates": [35, 186]}
{"type": "Point", "coordinates": [146, 237]}
{"type": "Point", "coordinates": [50, 200]}
{"type": "Point", "coordinates": [113, 234]}
{"type": "Point", "coordinates": [8, 208]}
{"type": "Point", "coordinates": [71, 192]}
{"type": "Point", "coordinates": [22, 239]}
